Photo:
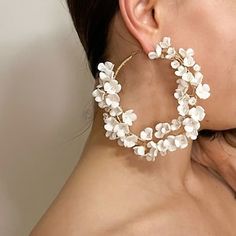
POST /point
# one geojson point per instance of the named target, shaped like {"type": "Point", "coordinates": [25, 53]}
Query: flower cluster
{"type": "Point", "coordinates": [162, 129]}
{"type": "Point", "coordinates": [165, 45]}
{"type": "Point", "coordinates": [192, 123]}
{"type": "Point", "coordinates": [187, 104]}
{"type": "Point", "coordinates": [188, 78]}
{"type": "Point", "coordinates": [106, 93]}
{"type": "Point", "coordinates": [121, 130]}
{"type": "Point", "coordinates": [170, 144]}
{"type": "Point", "coordinates": [117, 122]}
{"type": "Point", "coordinates": [146, 134]}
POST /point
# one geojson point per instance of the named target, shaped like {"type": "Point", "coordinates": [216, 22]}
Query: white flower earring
{"type": "Point", "coordinates": [118, 122]}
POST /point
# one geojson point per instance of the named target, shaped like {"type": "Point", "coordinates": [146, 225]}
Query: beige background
{"type": "Point", "coordinates": [45, 103]}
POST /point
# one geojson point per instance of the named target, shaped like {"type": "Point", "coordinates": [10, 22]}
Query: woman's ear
{"type": "Point", "coordinates": [140, 17]}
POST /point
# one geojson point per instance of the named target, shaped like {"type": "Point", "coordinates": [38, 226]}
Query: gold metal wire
{"type": "Point", "coordinates": [124, 62]}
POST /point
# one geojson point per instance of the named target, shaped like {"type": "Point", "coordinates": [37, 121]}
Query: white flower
{"type": "Point", "coordinates": [188, 56]}
{"type": "Point", "coordinates": [197, 67]}
{"type": "Point", "coordinates": [184, 100]}
{"type": "Point", "coordinates": [175, 125]}
{"type": "Point", "coordinates": [162, 147]}
{"type": "Point", "coordinates": [165, 128]}
{"type": "Point", "coordinates": [186, 53]}
{"type": "Point", "coordinates": [129, 141]}
{"type": "Point", "coordinates": [180, 92]}
{"type": "Point", "coordinates": [99, 95]}
{"type": "Point", "coordinates": [152, 55]}
{"type": "Point", "coordinates": [191, 127]}
{"type": "Point", "coordinates": [193, 135]}
{"type": "Point", "coordinates": [188, 77]}
{"type": "Point", "coordinates": [162, 129]}
{"type": "Point", "coordinates": [112, 87]}
{"type": "Point", "coordinates": [183, 109]}
{"type": "Point", "coordinates": [112, 100]}
{"type": "Point", "coordinates": [121, 130]}
{"type": "Point", "coordinates": [192, 101]}
{"type": "Point", "coordinates": [175, 64]}
{"type": "Point", "coordinates": [146, 134]}
{"type": "Point", "coordinates": [203, 91]}
{"type": "Point", "coordinates": [111, 135]}
{"type": "Point", "coordinates": [197, 79]}
{"type": "Point", "coordinates": [197, 113]}
{"type": "Point", "coordinates": [166, 42]}
{"type": "Point", "coordinates": [190, 124]}
{"type": "Point", "coordinates": [158, 50]}
{"type": "Point", "coordinates": [156, 54]}
{"type": "Point", "coordinates": [181, 71]}
{"type": "Point", "coordinates": [183, 83]}
{"type": "Point", "coordinates": [170, 53]}
{"type": "Point", "coordinates": [110, 123]}
{"type": "Point", "coordinates": [107, 68]}
{"type": "Point", "coordinates": [104, 77]}
{"type": "Point", "coordinates": [139, 150]}
{"type": "Point", "coordinates": [102, 104]}
{"type": "Point", "coordinates": [189, 61]}
{"type": "Point", "coordinates": [116, 111]}
{"type": "Point", "coordinates": [129, 117]}
{"type": "Point", "coordinates": [169, 143]}
{"type": "Point", "coordinates": [153, 152]}
{"type": "Point", "coordinates": [181, 141]}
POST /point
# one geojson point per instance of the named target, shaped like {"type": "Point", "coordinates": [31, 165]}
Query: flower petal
{"type": "Point", "coordinates": [152, 55]}
{"type": "Point", "coordinates": [139, 150]}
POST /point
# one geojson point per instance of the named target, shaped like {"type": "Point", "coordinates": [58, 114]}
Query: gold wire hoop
{"type": "Point", "coordinates": [118, 123]}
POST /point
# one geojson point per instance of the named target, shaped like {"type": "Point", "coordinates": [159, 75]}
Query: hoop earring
{"type": "Point", "coordinates": [118, 122]}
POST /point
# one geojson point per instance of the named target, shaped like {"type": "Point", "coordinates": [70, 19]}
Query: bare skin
{"type": "Point", "coordinates": [218, 155]}
{"type": "Point", "coordinates": [111, 191]}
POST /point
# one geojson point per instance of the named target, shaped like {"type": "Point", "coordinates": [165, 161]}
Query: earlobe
{"type": "Point", "coordinates": [140, 19]}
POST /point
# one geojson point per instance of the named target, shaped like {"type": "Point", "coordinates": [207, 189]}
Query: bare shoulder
{"type": "Point", "coordinates": [176, 221]}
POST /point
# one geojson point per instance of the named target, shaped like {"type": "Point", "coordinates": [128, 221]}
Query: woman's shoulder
{"type": "Point", "coordinates": [183, 216]}
{"type": "Point", "coordinates": [161, 222]}
{"type": "Point", "coordinates": [169, 223]}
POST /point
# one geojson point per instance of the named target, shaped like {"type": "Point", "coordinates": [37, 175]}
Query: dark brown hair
{"type": "Point", "coordinates": [92, 19]}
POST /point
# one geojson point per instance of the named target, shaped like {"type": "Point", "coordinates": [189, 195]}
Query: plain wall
{"type": "Point", "coordinates": [45, 103]}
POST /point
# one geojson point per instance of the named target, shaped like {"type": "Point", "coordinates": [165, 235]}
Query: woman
{"type": "Point", "coordinates": [111, 191]}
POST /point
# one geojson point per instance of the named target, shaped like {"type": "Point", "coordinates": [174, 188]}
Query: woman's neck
{"type": "Point", "coordinates": [173, 170]}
